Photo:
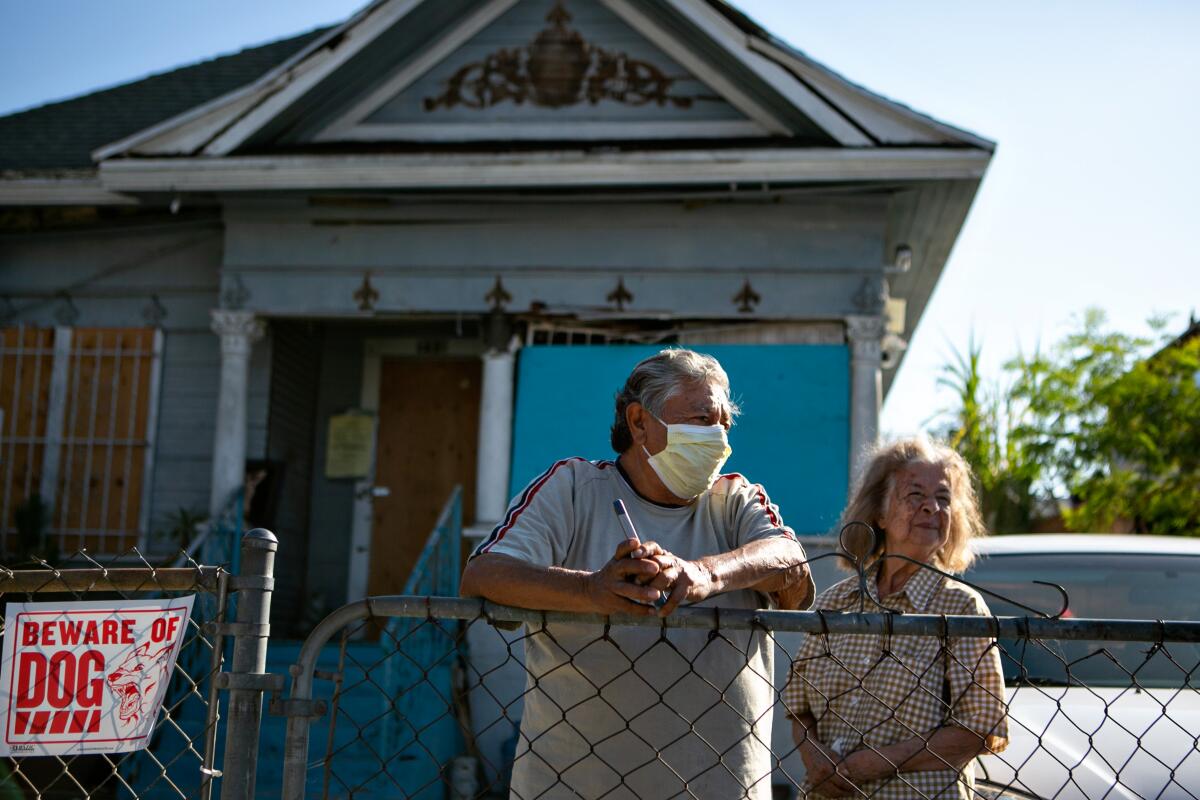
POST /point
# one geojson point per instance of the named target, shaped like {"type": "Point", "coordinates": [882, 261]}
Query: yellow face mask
{"type": "Point", "coordinates": [692, 459]}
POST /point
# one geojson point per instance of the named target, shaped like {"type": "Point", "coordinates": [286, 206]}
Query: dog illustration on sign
{"type": "Point", "coordinates": [135, 678]}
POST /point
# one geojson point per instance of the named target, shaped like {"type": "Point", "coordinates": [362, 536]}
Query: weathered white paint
{"type": "Point", "coordinates": [889, 122]}
{"type": "Point", "coordinates": [736, 234]}
{"type": "Point", "coordinates": [239, 330]}
{"type": "Point", "coordinates": [204, 123]}
{"type": "Point", "coordinates": [56, 409]}
{"type": "Point", "coordinates": [290, 84]}
{"type": "Point", "coordinates": [178, 135]}
{"type": "Point", "coordinates": [733, 41]}
{"type": "Point", "coordinates": [83, 191]}
{"type": "Point", "coordinates": [865, 335]}
{"type": "Point", "coordinates": [153, 398]}
{"type": "Point", "coordinates": [708, 293]}
{"type": "Point", "coordinates": [404, 116]}
{"type": "Point", "coordinates": [495, 433]}
{"type": "Point", "coordinates": [542, 169]}
{"type": "Point", "coordinates": [927, 217]}
{"type": "Point", "coordinates": [533, 131]}
{"type": "Point", "coordinates": [347, 126]}
{"type": "Point", "coordinates": [834, 104]}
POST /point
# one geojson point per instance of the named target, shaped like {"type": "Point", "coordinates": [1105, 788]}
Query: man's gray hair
{"type": "Point", "coordinates": [658, 378]}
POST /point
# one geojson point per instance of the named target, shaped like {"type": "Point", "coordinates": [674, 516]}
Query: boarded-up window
{"type": "Point", "coordinates": [80, 407]}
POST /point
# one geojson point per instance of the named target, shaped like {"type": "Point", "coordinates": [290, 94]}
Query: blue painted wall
{"type": "Point", "coordinates": [793, 435]}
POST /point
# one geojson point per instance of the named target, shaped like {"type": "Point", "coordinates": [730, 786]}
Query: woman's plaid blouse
{"type": "Point", "coordinates": [875, 690]}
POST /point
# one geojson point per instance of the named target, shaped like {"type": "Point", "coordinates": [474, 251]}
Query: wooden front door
{"type": "Point", "coordinates": [427, 440]}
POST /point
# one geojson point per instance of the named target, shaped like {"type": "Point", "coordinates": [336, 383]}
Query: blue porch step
{"type": "Point", "coordinates": [392, 726]}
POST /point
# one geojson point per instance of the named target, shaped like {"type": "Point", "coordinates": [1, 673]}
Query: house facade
{"type": "Point", "coordinates": [422, 249]}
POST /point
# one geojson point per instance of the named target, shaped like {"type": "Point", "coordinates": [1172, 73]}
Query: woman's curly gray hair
{"type": "Point", "coordinates": [874, 489]}
{"type": "Point", "coordinates": [656, 379]}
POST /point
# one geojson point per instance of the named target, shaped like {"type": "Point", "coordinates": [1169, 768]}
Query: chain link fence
{"type": "Point", "coordinates": [178, 761]}
{"type": "Point", "coordinates": [421, 696]}
{"type": "Point", "coordinates": [549, 704]}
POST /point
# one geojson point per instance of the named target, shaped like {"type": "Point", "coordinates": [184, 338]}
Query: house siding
{"type": "Point", "coordinates": [294, 386]}
{"type": "Point", "coordinates": [187, 418]}
{"type": "Point", "coordinates": [332, 502]}
{"type": "Point", "coordinates": [114, 274]}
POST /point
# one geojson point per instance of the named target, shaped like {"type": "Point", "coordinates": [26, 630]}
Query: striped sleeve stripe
{"type": "Point", "coordinates": [519, 505]}
{"type": "Point", "coordinates": [761, 495]}
{"type": "Point", "coordinates": [771, 515]}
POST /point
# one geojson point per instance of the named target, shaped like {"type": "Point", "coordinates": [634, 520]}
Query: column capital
{"type": "Point", "coordinates": [238, 330]}
{"type": "Point", "coordinates": [865, 333]}
{"type": "Point", "coordinates": [230, 322]}
{"type": "Point", "coordinates": [862, 327]}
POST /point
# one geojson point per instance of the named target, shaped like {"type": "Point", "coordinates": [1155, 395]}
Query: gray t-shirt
{"type": "Point", "coordinates": [640, 712]}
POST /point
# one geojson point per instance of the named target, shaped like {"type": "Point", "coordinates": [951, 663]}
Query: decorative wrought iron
{"type": "Point", "coordinates": [235, 295]}
{"type": "Point", "coordinates": [747, 298]}
{"type": "Point", "coordinates": [67, 312]}
{"type": "Point", "coordinates": [366, 295]}
{"type": "Point", "coordinates": [498, 297]}
{"type": "Point", "coordinates": [154, 312]}
{"type": "Point", "coordinates": [872, 295]}
{"type": "Point", "coordinates": [620, 295]}
{"type": "Point", "coordinates": [558, 68]}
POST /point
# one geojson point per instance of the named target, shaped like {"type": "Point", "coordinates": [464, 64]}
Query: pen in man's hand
{"type": "Point", "coordinates": [626, 522]}
{"type": "Point", "coordinates": [631, 533]}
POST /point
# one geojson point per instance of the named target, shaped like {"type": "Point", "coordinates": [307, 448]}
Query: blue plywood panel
{"type": "Point", "coordinates": [793, 435]}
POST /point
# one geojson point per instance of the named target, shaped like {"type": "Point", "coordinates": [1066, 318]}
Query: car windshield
{"type": "Point", "coordinates": [1100, 586]}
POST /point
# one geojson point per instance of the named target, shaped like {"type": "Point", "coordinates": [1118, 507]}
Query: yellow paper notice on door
{"type": "Point", "coordinates": [350, 446]}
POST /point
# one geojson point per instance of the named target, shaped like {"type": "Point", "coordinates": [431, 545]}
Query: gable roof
{"type": "Point", "coordinates": [191, 107]}
{"type": "Point", "coordinates": [283, 107]}
{"type": "Point", "coordinates": [63, 135]}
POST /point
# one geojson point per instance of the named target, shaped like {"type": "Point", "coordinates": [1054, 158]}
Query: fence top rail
{"type": "Point", "coordinates": [709, 618]}
{"type": "Point", "coordinates": [117, 579]}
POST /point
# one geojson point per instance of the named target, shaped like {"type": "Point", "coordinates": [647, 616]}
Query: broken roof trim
{"type": "Point", "coordinates": [80, 189]}
{"type": "Point", "coordinates": [720, 29]}
{"type": "Point", "coordinates": [272, 81]}
{"type": "Point", "coordinates": [543, 169]}
{"type": "Point", "coordinates": [808, 68]}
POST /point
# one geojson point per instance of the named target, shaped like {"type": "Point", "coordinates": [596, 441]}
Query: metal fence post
{"type": "Point", "coordinates": [254, 585]}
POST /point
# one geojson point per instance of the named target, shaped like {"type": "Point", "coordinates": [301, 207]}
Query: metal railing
{"type": "Point", "coordinates": [407, 664]}
{"type": "Point", "coordinates": [655, 682]}
{"type": "Point", "coordinates": [422, 696]}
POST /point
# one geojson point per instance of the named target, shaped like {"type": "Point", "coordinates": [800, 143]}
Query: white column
{"type": "Point", "coordinates": [865, 334]}
{"type": "Point", "coordinates": [60, 374]}
{"type": "Point", "coordinates": [495, 433]}
{"type": "Point", "coordinates": [239, 330]}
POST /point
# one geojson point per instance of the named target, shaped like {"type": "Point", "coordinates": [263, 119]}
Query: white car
{"type": "Point", "coordinates": [1097, 719]}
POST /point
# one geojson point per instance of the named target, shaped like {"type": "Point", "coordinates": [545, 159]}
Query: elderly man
{"type": "Point", "coordinates": [641, 711]}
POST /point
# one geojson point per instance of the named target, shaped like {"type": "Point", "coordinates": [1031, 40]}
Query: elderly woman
{"type": "Point", "coordinates": [902, 716]}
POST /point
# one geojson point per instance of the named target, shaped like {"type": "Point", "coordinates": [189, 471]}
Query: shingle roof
{"type": "Point", "coordinates": [63, 135]}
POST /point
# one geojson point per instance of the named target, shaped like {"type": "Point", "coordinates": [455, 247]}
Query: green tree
{"type": "Point", "coordinates": [980, 428]}
{"type": "Point", "coordinates": [1061, 396]}
{"type": "Point", "coordinates": [1105, 423]}
{"type": "Point", "coordinates": [1143, 455]}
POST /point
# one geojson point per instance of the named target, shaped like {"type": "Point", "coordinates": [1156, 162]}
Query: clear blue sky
{"type": "Point", "coordinates": [1090, 200]}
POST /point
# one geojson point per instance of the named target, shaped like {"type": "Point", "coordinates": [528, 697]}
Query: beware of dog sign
{"type": "Point", "coordinates": [87, 677]}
